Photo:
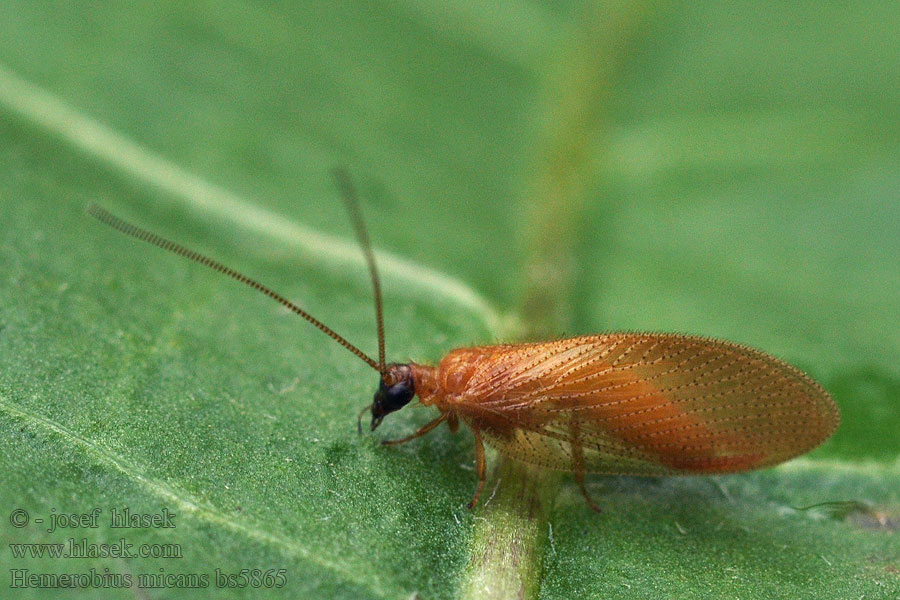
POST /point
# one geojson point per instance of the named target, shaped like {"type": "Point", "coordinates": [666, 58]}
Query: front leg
{"type": "Point", "coordinates": [422, 431]}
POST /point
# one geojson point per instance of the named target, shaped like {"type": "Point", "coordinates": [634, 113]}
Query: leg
{"type": "Point", "coordinates": [579, 477]}
{"type": "Point", "coordinates": [578, 464]}
{"type": "Point", "coordinates": [422, 431]}
{"type": "Point", "coordinates": [479, 467]}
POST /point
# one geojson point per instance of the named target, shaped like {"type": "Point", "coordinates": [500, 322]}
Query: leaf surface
{"type": "Point", "coordinates": [746, 190]}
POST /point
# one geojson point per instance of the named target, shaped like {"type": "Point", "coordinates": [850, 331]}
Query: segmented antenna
{"type": "Point", "coordinates": [348, 191]}
{"type": "Point", "coordinates": [127, 228]}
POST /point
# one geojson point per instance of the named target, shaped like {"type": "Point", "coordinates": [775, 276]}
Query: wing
{"type": "Point", "coordinates": [639, 404]}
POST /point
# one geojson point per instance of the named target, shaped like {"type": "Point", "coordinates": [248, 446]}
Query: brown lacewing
{"type": "Point", "coordinates": [617, 403]}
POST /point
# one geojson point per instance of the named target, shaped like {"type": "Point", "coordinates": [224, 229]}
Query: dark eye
{"type": "Point", "coordinates": [398, 395]}
{"type": "Point", "coordinates": [393, 396]}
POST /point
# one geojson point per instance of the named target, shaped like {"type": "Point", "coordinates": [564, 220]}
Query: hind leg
{"type": "Point", "coordinates": [578, 465]}
{"type": "Point", "coordinates": [579, 477]}
{"type": "Point", "coordinates": [479, 467]}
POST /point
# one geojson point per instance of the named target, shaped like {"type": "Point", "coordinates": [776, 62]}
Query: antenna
{"type": "Point", "coordinates": [348, 191]}
{"type": "Point", "coordinates": [127, 228]}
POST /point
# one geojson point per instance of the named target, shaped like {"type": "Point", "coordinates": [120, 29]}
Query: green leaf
{"type": "Point", "coordinates": [688, 167]}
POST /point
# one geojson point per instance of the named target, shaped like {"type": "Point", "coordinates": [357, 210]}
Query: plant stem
{"type": "Point", "coordinates": [507, 544]}
{"type": "Point", "coordinates": [510, 529]}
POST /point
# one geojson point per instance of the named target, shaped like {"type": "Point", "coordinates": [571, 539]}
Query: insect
{"type": "Point", "coordinates": [618, 403]}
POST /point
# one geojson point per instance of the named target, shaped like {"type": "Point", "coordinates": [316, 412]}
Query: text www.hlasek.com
{"type": "Point", "coordinates": [73, 548]}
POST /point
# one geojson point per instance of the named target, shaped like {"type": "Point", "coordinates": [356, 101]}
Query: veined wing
{"type": "Point", "coordinates": [642, 404]}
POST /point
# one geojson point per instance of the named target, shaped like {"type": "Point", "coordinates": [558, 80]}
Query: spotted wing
{"type": "Point", "coordinates": [642, 404]}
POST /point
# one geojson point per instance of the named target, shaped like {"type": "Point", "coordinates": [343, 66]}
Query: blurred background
{"type": "Point", "coordinates": [724, 169]}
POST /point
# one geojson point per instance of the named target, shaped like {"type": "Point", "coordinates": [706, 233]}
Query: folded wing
{"type": "Point", "coordinates": [642, 404]}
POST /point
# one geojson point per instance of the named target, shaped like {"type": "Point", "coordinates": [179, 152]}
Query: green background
{"type": "Point", "coordinates": [737, 171]}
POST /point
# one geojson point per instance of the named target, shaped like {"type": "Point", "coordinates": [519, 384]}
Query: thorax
{"type": "Point", "coordinates": [448, 383]}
